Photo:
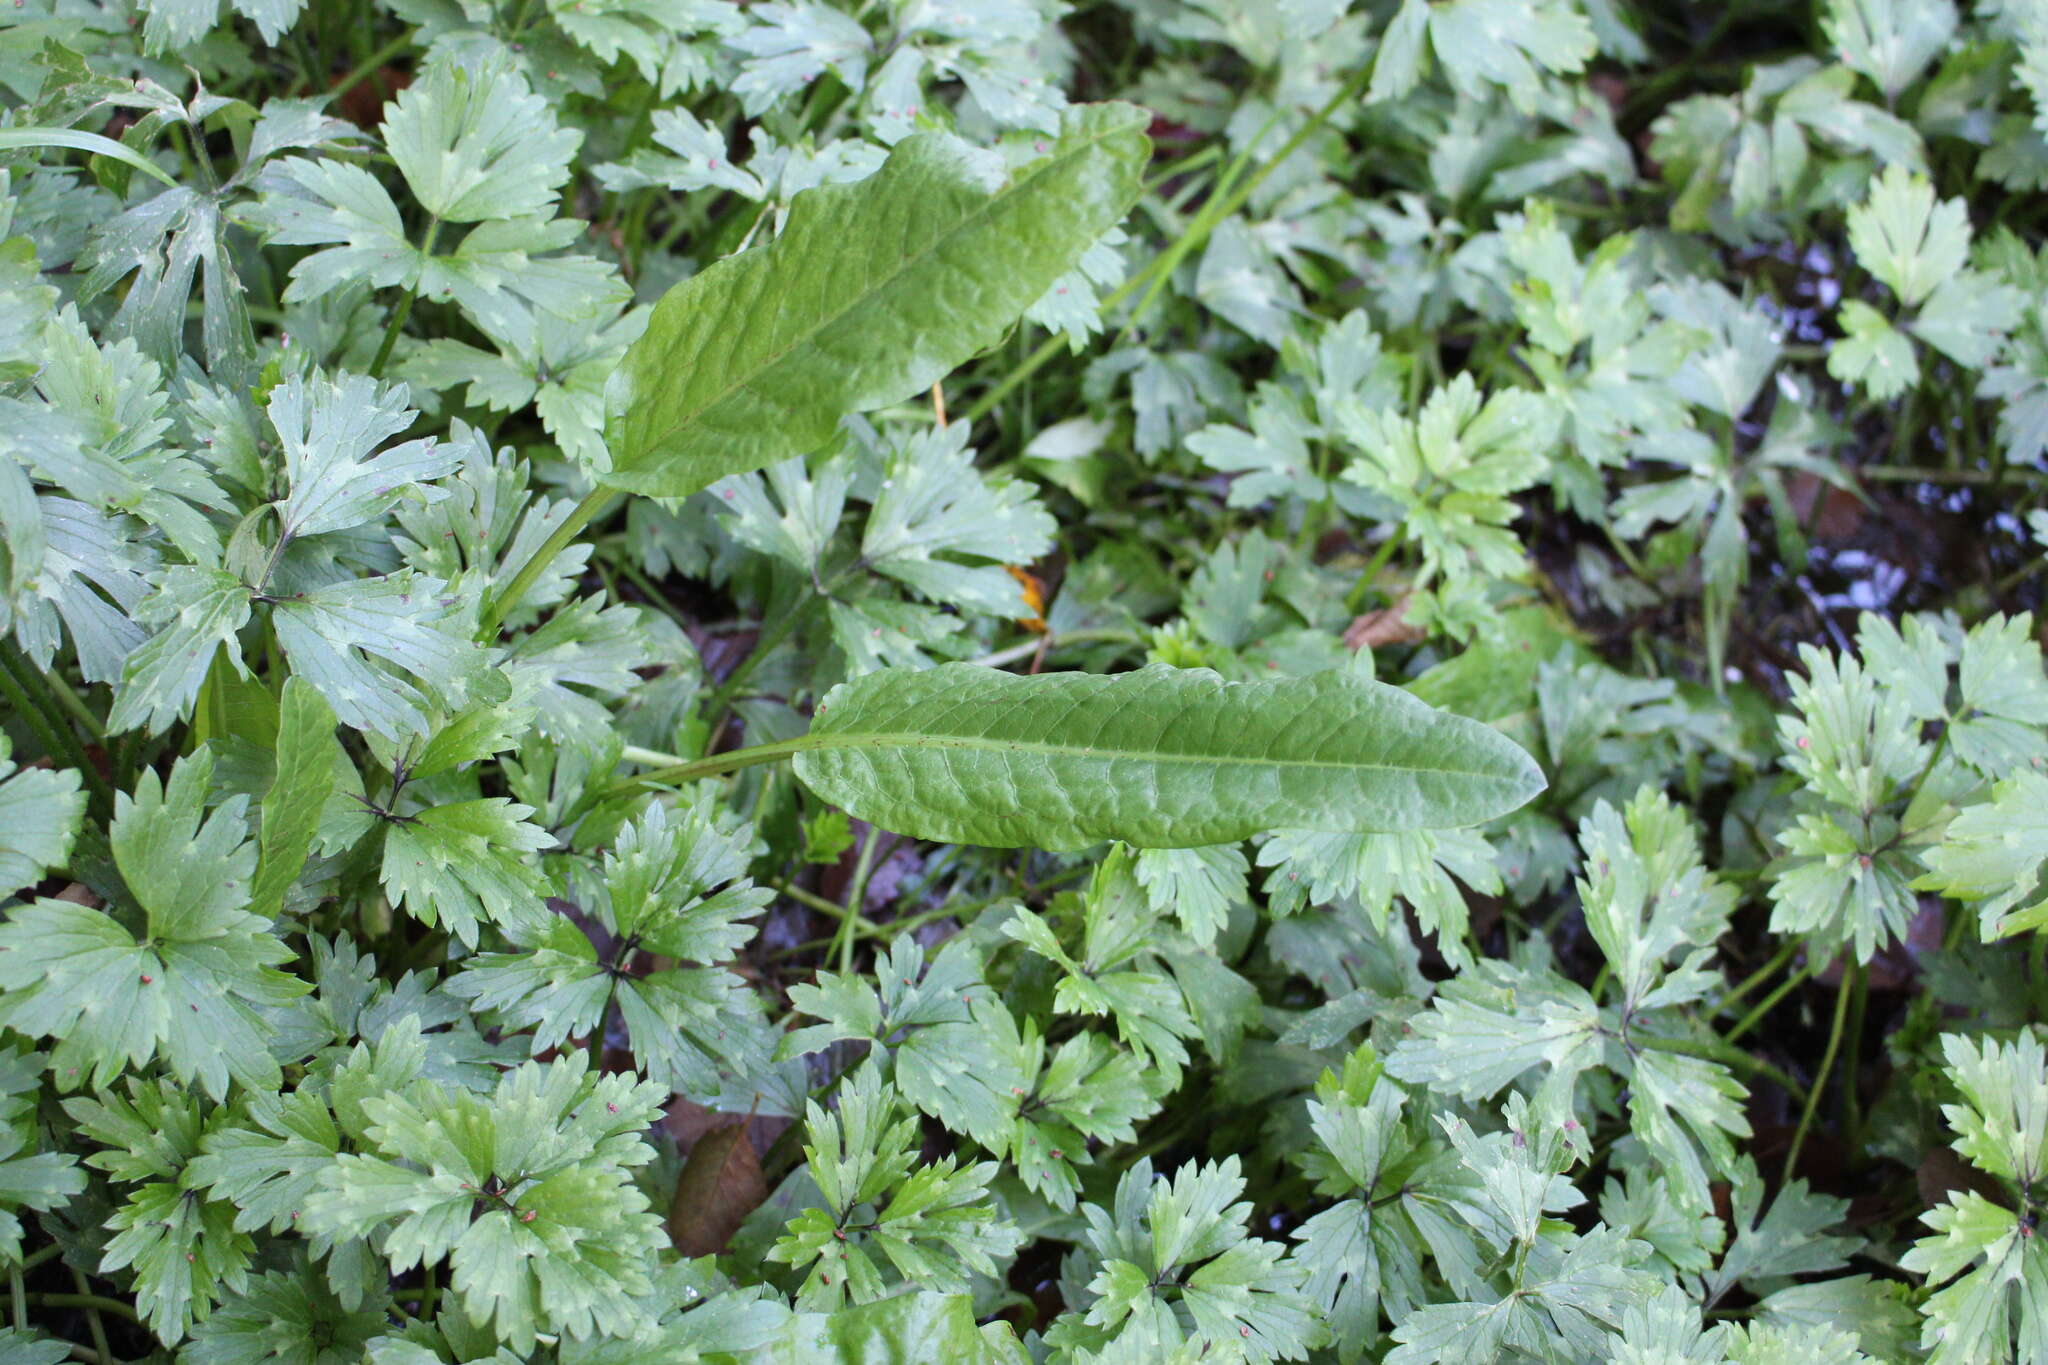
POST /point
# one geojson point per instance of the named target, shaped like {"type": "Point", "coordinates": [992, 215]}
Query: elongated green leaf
{"type": "Point", "coordinates": [11, 138]}
{"type": "Point", "coordinates": [873, 292]}
{"type": "Point", "coordinates": [306, 753]}
{"type": "Point", "coordinates": [1160, 758]}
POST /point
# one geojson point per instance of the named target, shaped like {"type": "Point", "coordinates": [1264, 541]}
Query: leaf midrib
{"type": "Point", "coordinates": [907, 740]}
{"type": "Point", "coordinates": [974, 219]}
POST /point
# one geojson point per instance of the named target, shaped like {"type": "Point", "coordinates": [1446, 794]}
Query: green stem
{"type": "Point", "coordinates": [1905, 426]}
{"type": "Point", "coordinates": [595, 1043]}
{"type": "Point", "coordinates": [1820, 1075]}
{"type": "Point", "coordinates": [895, 928]}
{"type": "Point", "coordinates": [1758, 977]}
{"type": "Point", "coordinates": [195, 142]}
{"type": "Point", "coordinates": [404, 309]}
{"type": "Point", "coordinates": [373, 62]}
{"type": "Point", "coordinates": [521, 21]}
{"type": "Point", "coordinates": [1355, 599]}
{"type": "Point", "coordinates": [1205, 219]}
{"type": "Point", "coordinates": [1770, 1002]}
{"type": "Point", "coordinates": [31, 715]}
{"type": "Point", "coordinates": [2015, 578]}
{"type": "Point", "coordinates": [1651, 92]}
{"type": "Point", "coordinates": [69, 699]}
{"type": "Point", "coordinates": [650, 590]}
{"type": "Point", "coordinates": [1048, 348]}
{"type": "Point", "coordinates": [24, 689]}
{"type": "Point", "coordinates": [1896, 473]}
{"type": "Point", "coordinates": [856, 901]}
{"type": "Point", "coordinates": [93, 1323]}
{"type": "Point", "coordinates": [1852, 1108]}
{"type": "Point", "coordinates": [712, 765]}
{"type": "Point", "coordinates": [98, 1301]}
{"type": "Point", "coordinates": [1193, 161]}
{"type": "Point", "coordinates": [785, 624]}
{"type": "Point", "coordinates": [128, 758]}
{"type": "Point", "coordinates": [36, 1258]}
{"type": "Point", "coordinates": [20, 1298]}
{"type": "Point", "coordinates": [814, 901]}
{"type": "Point", "coordinates": [1626, 555]}
{"type": "Point", "coordinates": [580, 516]}
{"type": "Point", "coordinates": [1205, 222]}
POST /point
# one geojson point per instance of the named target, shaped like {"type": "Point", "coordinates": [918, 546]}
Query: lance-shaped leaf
{"type": "Point", "coordinates": [1160, 758]}
{"type": "Point", "coordinates": [872, 293]}
{"type": "Point", "coordinates": [307, 756]}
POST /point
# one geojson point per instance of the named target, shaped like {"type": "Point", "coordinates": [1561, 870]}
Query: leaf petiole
{"type": "Point", "coordinates": [404, 309]}
{"type": "Point", "coordinates": [1197, 232]}
{"type": "Point", "coordinates": [596, 501]}
{"type": "Point", "coordinates": [712, 765]}
{"type": "Point", "coordinates": [25, 690]}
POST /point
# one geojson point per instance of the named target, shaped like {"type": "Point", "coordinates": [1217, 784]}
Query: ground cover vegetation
{"type": "Point", "coordinates": [1110, 683]}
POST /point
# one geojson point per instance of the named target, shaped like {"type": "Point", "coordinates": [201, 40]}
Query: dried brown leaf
{"type": "Point", "coordinates": [1388, 626]}
{"type": "Point", "coordinates": [720, 1185]}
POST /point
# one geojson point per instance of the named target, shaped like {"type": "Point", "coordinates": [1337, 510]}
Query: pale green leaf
{"type": "Point", "coordinates": [462, 866]}
{"type": "Point", "coordinates": [39, 813]}
{"type": "Point", "coordinates": [285, 1319]}
{"type": "Point", "coordinates": [74, 140]}
{"type": "Point", "coordinates": [1992, 854]}
{"type": "Point", "coordinates": [905, 1329]}
{"type": "Point", "coordinates": [330, 431]}
{"type": "Point", "coordinates": [341, 637]}
{"type": "Point", "coordinates": [936, 510]}
{"type": "Point", "coordinates": [1492, 1023]}
{"type": "Point", "coordinates": [1199, 886]}
{"type": "Point", "coordinates": [189, 990]}
{"type": "Point", "coordinates": [1872, 353]}
{"type": "Point", "coordinates": [30, 1348]}
{"type": "Point", "coordinates": [199, 612]}
{"type": "Point", "coordinates": [1967, 317]}
{"type": "Point", "coordinates": [1890, 41]}
{"type": "Point", "coordinates": [1902, 236]}
{"type": "Point", "coordinates": [1769, 1246]}
{"type": "Point", "coordinates": [478, 144]}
